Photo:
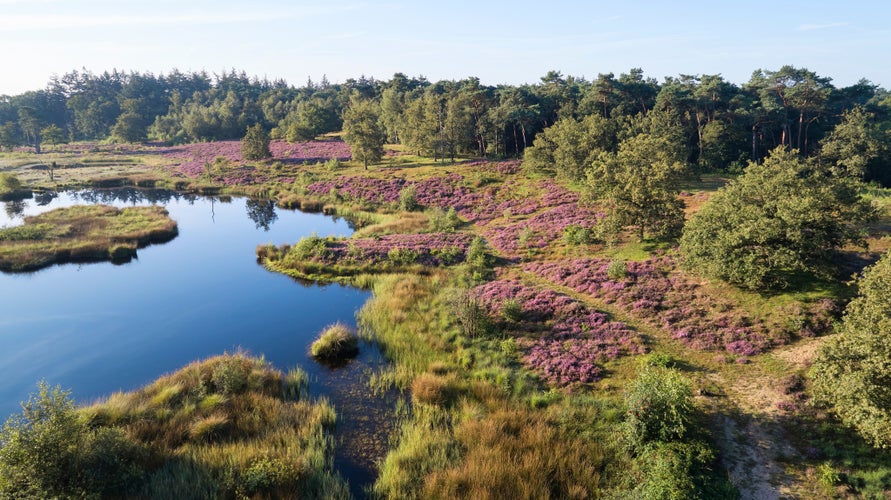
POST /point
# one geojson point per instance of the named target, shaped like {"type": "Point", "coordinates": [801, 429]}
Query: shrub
{"type": "Point", "coordinates": [659, 405]}
{"type": "Point", "coordinates": [332, 164]}
{"type": "Point", "coordinates": [511, 310]}
{"type": "Point", "coordinates": [442, 221]}
{"type": "Point", "coordinates": [255, 144]}
{"type": "Point", "coordinates": [310, 247]}
{"type": "Point", "coordinates": [617, 269]}
{"type": "Point", "coordinates": [337, 342]}
{"type": "Point", "coordinates": [229, 376]}
{"type": "Point", "coordinates": [408, 198]}
{"type": "Point", "coordinates": [575, 234]}
{"type": "Point", "coordinates": [402, 256]}
{"type": "Point", "coordinates": [851, 371]}
{"type": "Point", "coordinates": [9, 184]}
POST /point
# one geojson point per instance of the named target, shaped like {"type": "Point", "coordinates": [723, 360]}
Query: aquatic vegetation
{"type": "Point", "coordinates": [83, 234]}
{"type": "Point", "coordinates": [336, 342]}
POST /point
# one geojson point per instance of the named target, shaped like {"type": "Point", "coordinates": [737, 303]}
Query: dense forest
{"type": "Point", "coordinates": [719, 125]}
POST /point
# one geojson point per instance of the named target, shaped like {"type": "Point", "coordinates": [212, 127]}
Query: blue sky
{"type": "Point", "coordinates": [497, 41]}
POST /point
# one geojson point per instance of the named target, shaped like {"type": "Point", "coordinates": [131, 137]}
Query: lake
{"type": "Point", "coordinates": [99, 328]}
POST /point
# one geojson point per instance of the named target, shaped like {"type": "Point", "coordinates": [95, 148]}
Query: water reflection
{"type": "Point", "coordinates": [262, 212]}
{"type": "Point", "coordinates": [15, 208]}
{"type": "Point", "coordinates": [45, 198]}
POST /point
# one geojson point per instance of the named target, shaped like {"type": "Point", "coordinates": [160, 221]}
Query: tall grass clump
{"type": "Point", "coordinates": [337, 342]}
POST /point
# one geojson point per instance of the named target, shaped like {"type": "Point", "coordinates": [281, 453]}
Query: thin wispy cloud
{"type": "Point", "coordinates": [813, 27]}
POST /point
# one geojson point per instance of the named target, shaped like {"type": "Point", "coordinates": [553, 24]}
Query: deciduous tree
{"type": "Point", "coordinates": [853, 370]}
{"type": "Point", "coordinates": [363, 131]}
{"type": "Point", "coordinates": [784, 216]}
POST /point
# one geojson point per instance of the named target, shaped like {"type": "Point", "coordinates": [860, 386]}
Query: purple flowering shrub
{"type": "Point", "coordinates": [190, 159]}
{"type": "Point", "coordinates": [533, 221]}
{"type": "Point", "coordinates": [564, 341]}
{"type": "Point", "coordinates": [666, 299]}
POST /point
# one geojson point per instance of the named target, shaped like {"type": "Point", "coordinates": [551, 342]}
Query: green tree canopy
{"type": "Point", "coordinates": [855, 146]}
{"type": "Point", "coordinates": [53, 135]}
{"type": "Point", "coordinates": [363, 131]}
{"type": "Point", "coordinates": [784, 216]}
{"type": "Point", "coordinates": [639, 184]}
{"type": "Point", "coordinates": [853, 370]}
{"type": "Point", "coordinates": [255, 144]}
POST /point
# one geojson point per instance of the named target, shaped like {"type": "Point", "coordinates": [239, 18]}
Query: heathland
{"type": "Point", "coordinates": [614, 288]}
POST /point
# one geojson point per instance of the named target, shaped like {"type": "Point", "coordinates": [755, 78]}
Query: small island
{"type": "Point", "coordinates": [83, 234]}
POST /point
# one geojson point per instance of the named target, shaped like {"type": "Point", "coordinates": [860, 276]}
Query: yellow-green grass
{"type": "Point", "coordinates": [83, 234]}
{"type": "Point", "coordinates": [226, 427]}
{"type": "Point", "coordinates": [337, 342]}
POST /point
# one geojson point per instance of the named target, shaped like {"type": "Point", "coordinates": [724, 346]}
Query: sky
{"type": "Point", "coordinates": [510, 42]}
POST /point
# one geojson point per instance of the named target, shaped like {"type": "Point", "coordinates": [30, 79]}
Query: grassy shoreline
{"type": "Point", "coordinates": [92, 233]}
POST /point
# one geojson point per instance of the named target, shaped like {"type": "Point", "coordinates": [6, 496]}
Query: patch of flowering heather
{"type": "Point", "coordinates": [429, 249]}
{"type": "Point", "coordinates": [190, 159]}
{"type": "Point", "coordinates": [666, 300]}
{"type": "Point", "coordinates": [542, 228]}
{"type": "Point", "coordinates": [504, 167]}
{"type": "Point", "coordinates": [309, 151]}
{"type": "Point", "coordinates": [575, 339]}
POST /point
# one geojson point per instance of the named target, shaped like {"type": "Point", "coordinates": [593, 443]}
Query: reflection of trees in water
{"type": "Point", "coordinates": [131, 196]}
{"type": "Point", "coordinates": [262, 212]}
{"type": "Point", "coordinates": [44, 198]}
{"type": "Point", "coordinates": [15, 208]}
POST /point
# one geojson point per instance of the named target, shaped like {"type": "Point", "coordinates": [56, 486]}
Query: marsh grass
{"type": "Point", "coordinates": [83, 234]}
{"type": "Point", "coordinates": [337, 343]}
{"type": "Point", "coordinates": [228, 426]}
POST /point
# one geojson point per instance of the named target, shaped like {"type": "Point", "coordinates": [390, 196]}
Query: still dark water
{"type": "Point", "coordinates": [99, 328]}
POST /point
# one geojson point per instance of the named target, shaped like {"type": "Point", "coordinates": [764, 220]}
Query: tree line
{"type": "Point", "coordinates": [718, 125]}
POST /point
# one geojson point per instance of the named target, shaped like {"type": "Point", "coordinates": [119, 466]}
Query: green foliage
{"type": "Point", "coordinates": [48, 451]}
{"type": "Point", "coordinates": [853, 370]}
{"type": "Point", "coordinates": [408, 198]}
{"type": "Point", "coordinates": [53, 134]}
{"type": "Point", "coordinates": [230, 376]}
{"type": "Point", "coordinates": [309, 247]}
{"type": "Point", "coordinates": [569, 146]}
{"type": "Point", "coordinates": [443, 221]}
{"type": "Point", "coordinates": [617, 269]}
{"type": "Point", "coordinates": [660, 407]}
{"type": "Point", "coordinates": [575, 234]}
{"type": "Point", "coordinates": [255, 144]}
{"type": "Point", "coordinates": [363, 132]}
{"type": "Point", "coordinates": [402, 256]}
{"type": "Point", "coordinates": [9, 184]}
{"type": "Point", "coordinates": [468, 312]}
{"type": "Point", "coordinates": [857, 146]}
{"type": "Point", "coordinates": [511, 311]}
{"type": "Point", "coordinates": [639, 184]}
{"type": "Point", "coordinates": [332, 164]}
{"type": "Point", "coordinates": [129, 127]}
{"type": "Point", "coordinates": [781, 217]}
{"type": "Point", "coordinates": [9, 135]}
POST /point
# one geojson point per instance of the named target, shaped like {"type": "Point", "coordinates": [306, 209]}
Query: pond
{"type": "Point", "coordinates": [99, 328]}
